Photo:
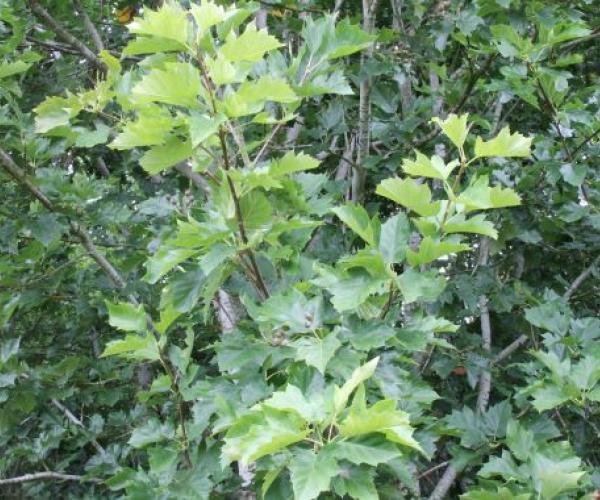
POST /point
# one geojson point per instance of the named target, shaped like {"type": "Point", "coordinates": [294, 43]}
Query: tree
{"type": "Point", "coordinates": [268, 250]}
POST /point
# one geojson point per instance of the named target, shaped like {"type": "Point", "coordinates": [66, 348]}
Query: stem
{"type": "Point", "coordinates": [38, 476]}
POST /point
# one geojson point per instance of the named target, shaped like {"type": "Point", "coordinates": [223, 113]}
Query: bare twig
{"type": "Point", "coordinates": [78, 423]}
{"type": "Point", "coordinates": [89, 26]}
{"type": "Point", "coordinates": [66, 35]}
{"type": "Point", "coordinates": [39, 476]}
{"type": "Point", "coordinates": [580, 279]}
{"type": "Point", "coordinates": [485, 379]}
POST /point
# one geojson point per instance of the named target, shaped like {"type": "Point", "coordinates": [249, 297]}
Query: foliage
{"type": "Point", "coordinates": [193, 304]}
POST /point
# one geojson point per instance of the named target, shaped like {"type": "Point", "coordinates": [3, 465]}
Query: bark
{"type": "Point", "coordinates": [39, 476]}
{"type": "Point", "coordinates": [485, 379]}
{"type": "Point", "coordinates": [359, 174]}
{"type": "Point", "coordinates": [89, 26]}
{"type": "Point", "coordinates": [65, 34]}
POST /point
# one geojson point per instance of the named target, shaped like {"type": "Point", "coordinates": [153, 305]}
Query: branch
{"type": "Point", "coordinates": [89, 26]}
{"type": "Point", "coordinates": [37, 476]}
{"type": "Point", "coordinates": [78, 423]}
{"type": "Point", "coordinates": [63, 33]}
{"type": "Point", "coordinates": [580, 279]}
{"type": "Point", "coordinates": [485, 379]}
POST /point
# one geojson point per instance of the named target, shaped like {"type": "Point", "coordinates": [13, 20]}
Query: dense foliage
{"type": "Point", "coordinates": [301, 250]}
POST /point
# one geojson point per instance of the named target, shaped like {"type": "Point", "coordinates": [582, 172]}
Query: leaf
{"type": "Point", "coordinates": [357, 219]}
{"type": "Point", "coordinates": [394, 237]}
{"type": "Point", "coordinates": [311, 473]}
{"type": "Point", "coordinates": [207, 14]}
{"type": "Point", "coordinates": [47, 229]}
{"type": "Point", "coordinates": [90, 138]}
{"type": "Point", "coordinates": [252, 95]}
{"type": "Point", "coordinates": [261, 433]}
{"type": "Point", "coordinates": [127, 317]}
{"type": "Point", "coordinates": [519, 440]}
{"type": "Point", "coordinates": [434, 168]}
{"type": "Point", "coordinates": [479, 196]}
{"type": "Point", "coordinates": [430, 250]}
{"type": "Point", "coordinates": [151, 127]}
{"type": "Point", "coordinates": [476, 224]}
{"type": "Point", "coordinates": [13, 68]}
{"type": "Point", "coordinates": [292, 162]}
{"type": "Point", "coordinates": [548, 397]}
{"type": "Point", "coordinates": [292, 399]}
{"type": "Point", "coordinates": [184, 290]}
{"type": "Point", "coordinates": [362, 373]}
{"type": "Point", "coordinates": [372, 450]}
{"type": "Point", "coordinates": [135, 347]}
{"type": "Point", "coordinates": [409, 194]}
{"type": "Point", "coordinates": [55, 112]}
{"type": "Point", "coordinates": [164, 260]}
{"type": "Point", "coordinates": [499, 494]}
{"type": "Point", "coordinates": [169, 22]}
{"type": "Point", "coordinates": [317, 352]}
{"type": "Point", "coordinates": [150, 45]}
{"type": "Point", "coordinates": [202, 127]}
{"type": "Point", "coordinates": [221, 71]}
{"type": "Point", "coordinates": [250, 46]}
{"type": "Point", "coordinates": [382, 417]}
{"type": "Point", "coordinates": [349, 291]}
{"type": "Point", "coordinates": [554, 476]}
{"type": "Point", "coordinates": [505, 145]}
{"type": "Point", "coordinates": [425, 286]}
{"type": "Point", "coordinates": [455, 128]}
{"type": "Point", "coordinates": [357, 482]}
{"type": "Point", "coordinates": [152, 431]}
{"type": "Point", "coordinates": [159, 158]}
{"type": "Point", "coordinates": [178, 83]}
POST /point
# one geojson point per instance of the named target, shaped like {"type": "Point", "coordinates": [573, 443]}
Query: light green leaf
{"type": "Point", "coordinates": [497, 494]}
{"type": "Point", "coordinates": [178, 83]}
{"type": "Point", "coordinates": [126, 316]}
{"type": "Point", "coordinates": [382, 417]}
{"type": "Point", "coordinates": [55, 112]}
{"type": "Point", "coordinates": [292, 162]}
{"type": "Point", "coordinates": [150, 45]}
{"type": "Point", "coordinates": [362, 373]}
{"type": "Point", "coordinates": [393, 241]}
{"type": "Point", "coordinates": [349, 38]}
{"type": "Point", "coordinates": [207, 14]}
{"type": "Point", "coordinates": [169, 22]}
{"type": "Point", "coordinates": [164, 260]}
{"type": "Point", "coordinates": [409, 194]}
{"type": "Point", "coordinates": [554, 476]}
{"type": "Point", "coordinates": [311, 473]}
{"type": "Point", "coordinates": [372, 450]}
{"type": "Point", "coordinates": [356, 482]}
{"type": "Point", "coordinates": [292, 399]}
{"type": "Point", "coordinates": [519, 440]}
{"type": "Point", "coordinates": [357, 219]}
{"type": "Point", "coordinates": [261, 433]}
{"type": "Point", "coordinates": [151, 127]}
{"type": "Point", "coordinates": [455, 128]}
{"type": "Point", "coordinates": [221, 71]}
{"type": "Point", "coordinates": [250, 46]}
{"type": "Point", "coordinates": [548, 397]}
{"type": "Point", "coordinates": [479, 196]}
{"type": "Point", "coordinates": [505, 145]}
{"type": "Point", "coordinates": [13, 68]}
{"type": "Point", "coordinates": [203, 126]}
{"type": "Point", "coordinates": [434, 168]}
{"type": "Point", "coordinates": [430, 250]}
{"type": "Point", "coordinates": [135, 347]}
{"type": "Point", "coordinates": [161, 157]}
{"type": "Point", "coordinates": [476, 224]}
{"type": "Point", "coordinates": [252, 95]}
{"type": "Point", "coordinates": [425, 286]}
{"type": "Point", "coordinates": [90, 138]}
{"type": "Point", "coordinates": [317, 352]}
{"type": "Point", "coordinates": [348, 291]}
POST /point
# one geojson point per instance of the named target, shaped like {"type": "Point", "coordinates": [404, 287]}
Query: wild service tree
{"type": "Point", "coordinates": [299, 250]}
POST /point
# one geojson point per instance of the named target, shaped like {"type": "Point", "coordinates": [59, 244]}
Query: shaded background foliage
{"type": "Point", "coordinates": [530, 65]}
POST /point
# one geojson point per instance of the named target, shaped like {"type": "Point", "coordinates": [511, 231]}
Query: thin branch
{"type": "Point", "coordinates": [485, 379]}
{"type": "Point", "coordinates": [580, 279]}
{"type": "Point", "coordinates": [63, 33]}
{"type": "Point", "coordinates": [78, 423]}
{"type": "Point", "coordinates": [89, 26]}
{"type": "Point", "coordinates": [41, 476]}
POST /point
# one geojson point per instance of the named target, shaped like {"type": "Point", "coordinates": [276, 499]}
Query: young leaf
{"type": "Point", "coordinates": [311, 473]}
{"type": "Point", "coordinates": [434, 168]}
{"type": "Point", "coordinates": [169, 22]}
{"type": "Point", "coordinates": [250, 46]}
{"type": "Point", "coordinates": [409, 194]}
{"type": "Point", "coordinates": [177, 83]}
{"type": "Point", "coordinates": [425, 286]}
{"type": "Point", "coordinates": [357, 219]}
{"type": "Point", "coordinates": [317, 352]}
{"type": "Point", "coordinates": [135, 347]}
{"type": "Point", "coordinates": [476, 224]}
{"type": "Point", "coordinates": [505, 145]}
{"type": "Point", "coordinates": [393, 241]}
{"type": "Point", "coordinates": [430, 250]}
{"type": "Point", "coordinates": [455, 128]}
{"type": "Point", "coordinates": [372, 450]}
{"type": "Point", "coordinates": [126, 316]}
{"type": "Point", "coordinates": [554, 476]}
{"type": "Point", "coordinates": [151, 127]}
{"type": "Point", "coordinates": [161, 157]}
{"type": "Point", "coordinates": [362, 373]}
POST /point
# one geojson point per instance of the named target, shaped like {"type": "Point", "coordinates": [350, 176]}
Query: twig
{"type": "Point", "coordinates": [38, 476]}
{"type": "Point", "coordinates": [89, 26]}
{"type": "Point", "coordinates": [78, 423]}
{"type": "Point", "coordinates": [433, 469]}
{"type": "Point", "coordinates": [485, 379]}
{"type": "Point", "coordinates": [63, 33]}
{"type": "Point", "coordinates": [580, 279]}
